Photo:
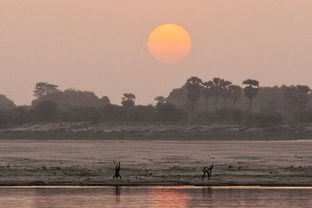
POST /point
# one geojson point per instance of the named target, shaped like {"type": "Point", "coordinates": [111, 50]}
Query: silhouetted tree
{"type": "Point", "coordinates": [82, 114]}
{"type": "Point", "coordinates": [193, 86]}
{"type": "Point", "coordinates": [235, 92]}
{"type": "Point", "coordinates": [225, 91]}
{"type": "Point", "coordinates": [277, 104]}
{"type": "Point", "coordinates": [128, 100]}
{"type": "Point", "coordinates": [251, 90]}
{"type": "Point", "coordinates": [5, 118]}
{"type": "Point", "coordinates": [105, 100]}
{"type": "Point", "coordinates": [169, 112]}
{"type": "Point", "coordinates": [21, 115]}
{"type": "Point", "coordinates": [216, 88]}
{"type": "Point", "coordinates": [207, 92]}
{"type": "Point", "coordinates": [141, 113]}
{"type": "Point", "coordinates": [266, 118]}
{"type": "Point", "coordinates": [296, 99]}
{"type": "Point", "coordinates": [113, 113]}
{"type": "Point", "coordinates": [304, 116]}
{"type": "Point", "coordinates": [297, 96]}
{"type": "Point", "coordinates": [71, 98]}
{"type": "Point", "coordinates": [160, 100]}
{"type": "Point", "coordinates": [5, 103]}
{"type": "Point", "coordinates": [47, 111]}
{"type": "Point", "coordinates": [44, 88]}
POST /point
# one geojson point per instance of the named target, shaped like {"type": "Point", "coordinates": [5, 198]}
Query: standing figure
{"type": "Point", "coordinates": [117, 170]}
{"type": "Point", "coordinates": [207, 171]}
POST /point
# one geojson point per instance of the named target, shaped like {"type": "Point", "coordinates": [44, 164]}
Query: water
{"type": "Point", "coordinates": [162, 197]}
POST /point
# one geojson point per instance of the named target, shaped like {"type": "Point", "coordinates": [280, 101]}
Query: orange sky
{"type": "Point", "coordinates": [102, 45]}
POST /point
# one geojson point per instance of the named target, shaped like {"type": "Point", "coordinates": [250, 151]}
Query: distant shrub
{"type": "Point", "coordinates": [169, 112]}
{"type": "Point", "coordinates": [46, 111]}
{"type": "Point", "coordinates": [22, 115]}
{"type": "Point", "coordinates": [71, 98]}
{"type": "Point", "coordinates": [5, 103]}
{"type": "Point", "coordinates": [141, 113]}
{"type": "Point", "coordinates": [227, 115]}
{"type": "Point", "coordinates": [266, 119]}
{"type": "Point", "coordinates": [113, 113]}
{"type": "Point", "coordinates": [304, 116]}
{"type": "Point", "coordinates": [82, 114]}
{"type": "Point", "coordinates": [5, 118]}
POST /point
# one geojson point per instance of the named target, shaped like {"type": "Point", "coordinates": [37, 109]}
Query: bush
{"type": "Point", "coordinates": [22, 115]}
{"type": "Point", "coordinates": [113, 113]}
{"type": "Point", "coordinates": [46, 111]}
{"type": "Point", "coordinates": [82, 114]}
{"type": "Point", "coordinates": [5, 118]}
{"type": "Point", "coordinates": [266, 119]}
{"type": "Point", "coordinates": [141, 113]}
{"type": "Point", "coordinates": [304, 116]}
{"type": "Point", "coordinates": [169, 112]}
{"type": "Point", "coordinates": [17, 116]}
{"type": "Point", "coordinates": [229, 115]}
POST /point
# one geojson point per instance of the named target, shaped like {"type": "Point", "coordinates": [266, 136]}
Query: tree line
{"type": "Point", "coordinates": [215, 100]}
{"type": "Point", "coordinates": [220, 88]}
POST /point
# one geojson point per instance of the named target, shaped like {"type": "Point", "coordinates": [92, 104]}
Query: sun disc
{"type": "Point", "coordinates": [169, 43]}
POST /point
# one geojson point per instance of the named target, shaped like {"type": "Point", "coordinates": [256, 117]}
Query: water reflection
{"type": "Point", "coordinates": [154, 197]}
{"type": "Point", "coordinates": [169, 198]}
{"type": "Point", "coordinates": [117, 194]}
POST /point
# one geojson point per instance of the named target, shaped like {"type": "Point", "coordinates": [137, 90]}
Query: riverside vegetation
{"type": "Point", "coordinates": [231, 110]}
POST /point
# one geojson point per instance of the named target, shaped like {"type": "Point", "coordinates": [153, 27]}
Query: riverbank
{"type": "Point", "coordinates": [179, 131]}
{"type": "Point", "coordinates": [92, 162]}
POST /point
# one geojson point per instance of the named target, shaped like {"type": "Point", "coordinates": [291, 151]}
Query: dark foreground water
{"type": "Point", "coordinates": [162, 197]}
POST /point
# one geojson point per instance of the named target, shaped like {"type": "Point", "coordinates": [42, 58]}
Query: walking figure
{"type": "Point", "coordinates": [117, 170]}
{"type": "Point", "coordinates": [207, 171]}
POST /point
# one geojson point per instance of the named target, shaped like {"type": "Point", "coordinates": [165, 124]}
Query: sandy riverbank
{"type": "Point", "coordinates": [85, 162]}
{"type": "Point", "coordinates": [132, 131]}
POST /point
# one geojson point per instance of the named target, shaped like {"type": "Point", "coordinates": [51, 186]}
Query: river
{"type": "Point", "coordinates": [155, 196]}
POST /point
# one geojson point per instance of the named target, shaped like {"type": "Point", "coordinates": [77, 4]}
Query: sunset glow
{"type": "Point", "coordinates": [169, 43]}
{"type": "Point", "coordinates": [171, 198]}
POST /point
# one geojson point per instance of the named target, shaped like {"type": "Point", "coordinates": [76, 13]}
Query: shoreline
{"type": "Point", "coordinates": [251, 186]}
{"type": "Point", "coordinates": [152, 184]}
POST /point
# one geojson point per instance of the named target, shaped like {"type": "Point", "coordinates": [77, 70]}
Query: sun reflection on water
{"type": "Point", "coordinates": [169, 198]}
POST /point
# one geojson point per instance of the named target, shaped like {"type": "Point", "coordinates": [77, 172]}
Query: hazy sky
{"type": "Point", "coordinates": [101, 45]}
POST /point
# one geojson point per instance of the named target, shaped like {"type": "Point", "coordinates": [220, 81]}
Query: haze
{"type": "Point", "coordinates": [101, 46]}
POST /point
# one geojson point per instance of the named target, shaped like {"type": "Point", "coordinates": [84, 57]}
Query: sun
{"type": "Point", "coordinates": [169, 43]}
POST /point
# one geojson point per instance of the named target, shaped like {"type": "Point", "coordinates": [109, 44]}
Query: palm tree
{"type": "Point", "coordinates": [251, 90]}
{"type": "Point", "coordinates": [128, 100]}
{"type": "Point", "coordinates": [297, 97]}
{"type": "Point", "coordinates": [160, 100]}
{"type": "Point", "coordinates": [207, 92]}
{"type": "Point", "coordinates": [216, 88]}
{"type": "Point", "coordinates": [225, 90]}
{"type": "Point", "coordinates": [235, 92]}
{"type": "Point", "coordinates": [193, 86]}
